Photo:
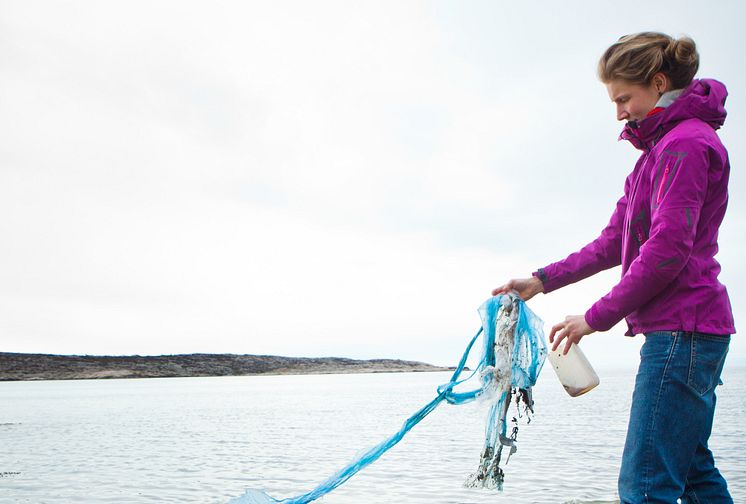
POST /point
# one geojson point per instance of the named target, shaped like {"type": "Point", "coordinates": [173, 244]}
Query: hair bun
{"type": "Point", "coordinates": [682, 51]}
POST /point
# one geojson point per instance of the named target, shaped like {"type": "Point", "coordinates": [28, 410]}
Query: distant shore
{"type": "Point", "coordinates": [21, 366]}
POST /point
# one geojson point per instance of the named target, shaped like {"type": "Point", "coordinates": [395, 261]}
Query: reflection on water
{"type": "Point", "coordinates": [206, 440]}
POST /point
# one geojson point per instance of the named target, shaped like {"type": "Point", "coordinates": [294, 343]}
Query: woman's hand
{"type": "Point", "coordinates": [526, 287]}
{"type": "Point", "coordinates": [573, 329]}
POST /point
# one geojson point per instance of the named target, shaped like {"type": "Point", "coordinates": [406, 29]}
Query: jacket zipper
{"type": "Point", "coordinates": [632, 194]}
{"type": "Point", "coordinates": [663, 183]}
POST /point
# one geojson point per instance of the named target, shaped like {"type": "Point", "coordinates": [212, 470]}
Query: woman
{"type": "Point", "coordinates": [664, 234]}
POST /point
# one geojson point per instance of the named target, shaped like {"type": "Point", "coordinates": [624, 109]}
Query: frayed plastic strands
{"type": "Point", "coordinates": [513, 354]}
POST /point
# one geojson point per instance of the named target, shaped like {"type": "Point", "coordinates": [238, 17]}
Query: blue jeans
{"type": "Point", "coordinates": [665, 454]}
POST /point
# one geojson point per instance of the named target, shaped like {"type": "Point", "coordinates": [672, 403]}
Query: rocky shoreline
{"type": "Point", "coordinates": [20, 366]}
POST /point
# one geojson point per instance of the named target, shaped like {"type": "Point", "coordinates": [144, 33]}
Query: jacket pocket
{"type": "Point", "coordinates": [662, 184]}
{"type": "Point", "coordinates": [666, 169]}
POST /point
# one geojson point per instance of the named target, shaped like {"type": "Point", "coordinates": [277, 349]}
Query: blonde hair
{"type": "Point", "coordinates": [638, 57]}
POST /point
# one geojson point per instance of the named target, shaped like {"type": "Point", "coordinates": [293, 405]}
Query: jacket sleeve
{"type": "Point", "coordinates": [602, 253]}
{"type": "Point", "coordinates": [678, 190]}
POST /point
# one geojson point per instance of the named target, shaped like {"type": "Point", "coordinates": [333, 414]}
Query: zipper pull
{"type": "Point", "coordinates": [663, 183]}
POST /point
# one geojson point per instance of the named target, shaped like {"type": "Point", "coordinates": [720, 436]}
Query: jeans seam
{"type": "Point", "coordinates": [692, 492]}
{"type": "Point", "coordinates": [692, 365]}
{"type": "Point", "coordinates": [649, 441]}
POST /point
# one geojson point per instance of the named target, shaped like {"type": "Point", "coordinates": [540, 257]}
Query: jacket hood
{"type": "Point", "coordinates": [703, 99]}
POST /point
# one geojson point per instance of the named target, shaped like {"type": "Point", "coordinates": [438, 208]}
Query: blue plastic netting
{"type": "Point", "coordinates": [513, 354]}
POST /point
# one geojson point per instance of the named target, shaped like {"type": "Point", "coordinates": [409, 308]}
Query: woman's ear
{"type": "Point", "coordinates": [661, 82]}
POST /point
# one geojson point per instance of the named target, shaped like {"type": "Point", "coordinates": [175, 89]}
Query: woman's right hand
{"type": "Point", "coordinates": [526, 287]}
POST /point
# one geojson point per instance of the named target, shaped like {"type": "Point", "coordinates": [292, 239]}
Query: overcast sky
{"type": "Point", "coordinates": [318, 178]}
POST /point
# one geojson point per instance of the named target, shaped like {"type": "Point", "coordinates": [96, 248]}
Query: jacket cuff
{"type": "Point", "coordinates": [597, 321]}
{"type": "Point", "coordinates": [541, 274]}
{"type": "Point", "coordinates": [589, 320]}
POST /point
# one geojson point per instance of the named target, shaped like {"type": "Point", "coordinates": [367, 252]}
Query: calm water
{"type": "Point", "coordinates": [205, 440]}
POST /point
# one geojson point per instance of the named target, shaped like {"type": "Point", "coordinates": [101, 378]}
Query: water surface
{"type": "Point", "coordinates": [205, 440]}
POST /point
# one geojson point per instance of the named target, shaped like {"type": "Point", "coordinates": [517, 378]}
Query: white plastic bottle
{"type": "Point", "coordinates": [573, 370]}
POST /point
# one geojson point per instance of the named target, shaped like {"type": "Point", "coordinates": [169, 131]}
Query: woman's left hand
{"type": "Point", "coordinates": [573, 329]}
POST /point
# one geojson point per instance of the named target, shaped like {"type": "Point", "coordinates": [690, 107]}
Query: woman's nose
{"type": "Point", "coordinates": [621, 114]}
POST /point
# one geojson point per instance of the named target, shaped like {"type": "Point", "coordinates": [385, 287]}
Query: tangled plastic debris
{"type": "Point", "coordinates": [513, 354]}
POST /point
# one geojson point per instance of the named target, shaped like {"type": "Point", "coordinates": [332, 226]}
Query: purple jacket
{"type": "Point", "coordinates": [664, 229]}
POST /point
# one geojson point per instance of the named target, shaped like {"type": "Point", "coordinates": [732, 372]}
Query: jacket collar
{"type": "Point", "coordinates": [702, 99]}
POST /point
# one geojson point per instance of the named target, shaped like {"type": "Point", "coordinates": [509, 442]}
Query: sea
{"type": "Point", "coordinates": [208, 440]}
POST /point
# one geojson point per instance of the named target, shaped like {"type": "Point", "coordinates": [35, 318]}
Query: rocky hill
{"type": "Point", "coordinates": [20, 366]}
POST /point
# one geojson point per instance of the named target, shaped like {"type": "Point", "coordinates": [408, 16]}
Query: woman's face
{"type": "Point", "coordinates": [633, 101]}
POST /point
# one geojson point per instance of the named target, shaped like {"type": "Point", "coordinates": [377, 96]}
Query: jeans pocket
{"type": "Point", "coordinates": [706, 361]}
{"type": "Point", "coordinates": [658, 347]}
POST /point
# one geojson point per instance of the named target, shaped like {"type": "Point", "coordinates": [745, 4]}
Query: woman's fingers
{"type": "Point", "coordinates": [558, 340]}
{"type": "Point", "coordinates": [567, 346]}
{"type": "Point", "coordinates": [526, 288]}
{"type": "Point", "coordinates": [572, 330]}
{"type": "Point", "coordinates": [555, 329]}
{"type": "Point", "coordinates": [503, 289]}
{"type": "Point", "coordinates": [560, 332]}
